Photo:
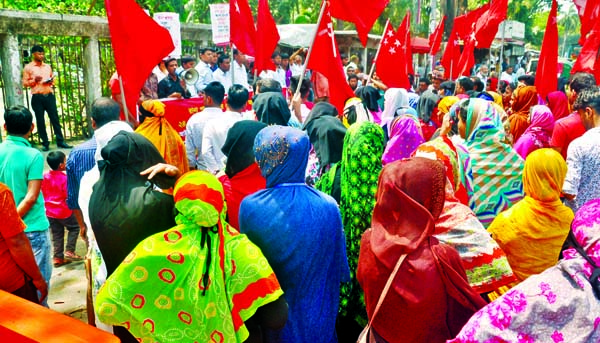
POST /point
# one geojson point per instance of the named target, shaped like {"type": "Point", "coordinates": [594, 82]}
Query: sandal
{"type": "Point", "coordinates": [60, 261]}
{"type": "Point", "coordinates": [73, 256]}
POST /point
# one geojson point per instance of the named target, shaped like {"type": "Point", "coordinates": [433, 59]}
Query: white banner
{"type": "Point", "coordinates": [170, 21]}
{"type": "Point", "coordinates": [219, 18]}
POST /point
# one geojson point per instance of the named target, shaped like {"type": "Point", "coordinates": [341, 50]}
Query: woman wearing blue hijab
{"type": "Point", "coordinates": [299, 230]}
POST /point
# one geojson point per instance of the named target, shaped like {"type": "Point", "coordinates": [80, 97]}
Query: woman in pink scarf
{"type": "Point", "coordinates": [539, 132]}
{"type": "Point", "coordinates": [405, 137]}
{"type": "Point", "coordinates": [558, 104]}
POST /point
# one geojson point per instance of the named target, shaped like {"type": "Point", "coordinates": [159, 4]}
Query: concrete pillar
{"type": "Point", "coordinates": [11, 69]}
{"type": "Point", "coordinates": [91, 74]}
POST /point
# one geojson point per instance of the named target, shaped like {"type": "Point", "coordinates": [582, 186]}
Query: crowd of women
{"type": "Point", "coordinates": [358, 219]}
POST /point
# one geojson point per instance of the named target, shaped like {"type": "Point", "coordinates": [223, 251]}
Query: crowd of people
{"type": "Point", "coordinates": [460, 211]}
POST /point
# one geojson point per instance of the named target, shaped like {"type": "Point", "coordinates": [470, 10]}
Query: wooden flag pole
{"type": "Point", "coordinates": [125, 110]}
{"type": "Point", "coordinates": [310, 48]}
{"type": "Point", "coordinates": [387, 24]}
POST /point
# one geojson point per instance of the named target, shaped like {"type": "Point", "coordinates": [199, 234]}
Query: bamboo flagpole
{"type": "Point", "coordinates": [310, 48]}
{"type": "Point", "coordinates": [125, 110]}
{"type": "Point", "coordinates": [387, 24]}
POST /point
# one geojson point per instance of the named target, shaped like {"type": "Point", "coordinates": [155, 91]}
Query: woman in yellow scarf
{"type": "Point", "coordinates": [164, 137]}
{"type": "Point", "coordinates": [532, 232]}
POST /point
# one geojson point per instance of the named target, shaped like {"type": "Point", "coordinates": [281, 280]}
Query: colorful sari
{"type": "Point", "coordinates": [558, 104]}
{"type": "Point", "coordinates": [485, 263]}
{"type": "Point", "coordinates": [496, 167]}
{"type": "Point", "coordinates": [430, 298]}
{"type": "Point", "coordinates": [360, 168]}
{"type": "Point", "coordinates": [164, 137]}
{"type": "Point", "coordinates": [355, 111]}
{"type": "Point", "coordinates": [405, 137]}
{"type": "Point", "coordinates": [199, 281]}
{"type": "Point", "coordinates": [525, 98]}
{"type": "Point", "coordinates": [532, 231]}
{"type": "Point", "coordinates": [539, 132]}
{"type": "Point", "coordinates": [559, 305]}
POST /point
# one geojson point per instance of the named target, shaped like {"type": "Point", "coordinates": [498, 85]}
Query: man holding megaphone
{"type": "Point", "coordinates": [172, 86]}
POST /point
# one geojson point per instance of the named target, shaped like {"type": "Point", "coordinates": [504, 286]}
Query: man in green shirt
{"type": "Point", "coordinates": [21, 169]}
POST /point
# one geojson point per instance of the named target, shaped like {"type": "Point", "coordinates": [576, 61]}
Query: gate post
{"type": "Point", "coordinates": [11, 69]}
{"type": "Point", "coordinates": [91, 73]}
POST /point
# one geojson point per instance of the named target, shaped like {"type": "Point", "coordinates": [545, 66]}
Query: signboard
{"type": "Point", "coordinates": [170, 21]}
{"type": "Point", "coordinates": [219, 18]}
{"type": "Point", "coordinates": [512, 30]}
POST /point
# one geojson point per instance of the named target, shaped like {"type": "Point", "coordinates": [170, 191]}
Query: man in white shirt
{"type": "Point", "coordinates": [240, 74]}
{"type": "Point", "coordinates": [298, 107]}
{"type": "Point", "coordinates": [483, 73]}
{"type": "Point", "coordinates": [215, 130]}
{"type": "Point", "coordinates": [213, 97]}
{"type": "Point", "coordinates": [508, 75]}
{"type": "Point", "coordinates": [278, 74]}
{"type": "Point", "coordinates": [223, 72]}
{"type": "Point", "coordinates": [205, 74]}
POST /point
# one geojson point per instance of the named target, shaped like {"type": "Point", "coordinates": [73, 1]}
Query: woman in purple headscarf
{"type": "Point", "coordinates": [539, 132]}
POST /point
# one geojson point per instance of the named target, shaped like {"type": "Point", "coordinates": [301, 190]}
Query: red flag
{"type": "Point", "coordinates": [589, 13]}
{"type": "Point", "coordinates": [267, 38]}
{"type": "Point", "coordinates": [451, 55]}
{"type": "Point", "coordinates": [587, 59]}
{"type": "Point", "coordinates": [546, 78]}
{"type": "Point", "coordinates": [466, 23]}
{"type": "Point", "coordinates": [467, 57]}
{"type": "Point", "coordinates": [488, 23]}
{"type": "Point", "coordinates": [403, 34]}
{"type": "Point", "coordinates": [391, 61]}
{"type": "Point", "coordinates": [435, 39]}
{"type": "Point", "coordinates": [138, 43]}
{"type": "Point", "coordinates": [356, 11]}
{"type": "Point", "coordinates": [242, 29]}
{"type": "Point", "coordinates": [325, 59]}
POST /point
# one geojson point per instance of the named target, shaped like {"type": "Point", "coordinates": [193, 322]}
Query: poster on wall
{"type": "Point", "coordinates": [219, 19]}
{"type": "Point", "coordinates": [170, 21]}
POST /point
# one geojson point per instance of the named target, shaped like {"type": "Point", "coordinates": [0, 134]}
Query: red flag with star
{"type": "Point", "coordinates": [242, 29]}
{"type": "Point", "coordinates": [356, 12]}
{"type": "Point", "coordinates": [467, 57]}
{"type": "Point", "coordinates": [325, 59]}
{"type": "Point", "coordinates": [403, 34]}
{"type": "Point", "coordinates": [391, 61]}
{"type": "Point", "coordinates": [451, 56]}
{"type": "Point", "coordinates": [546, 78]}
{"type": "Point", "coordinates": [588, 60]}
{"type": "Point", "coordinates": [488, 23]}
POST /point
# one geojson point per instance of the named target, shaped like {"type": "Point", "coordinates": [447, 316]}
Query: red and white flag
{"type": "Point", "coordinates": [242, 31]}
{"type": "Point", "coordinates": [325, 59]}
{"type": "Point", "coordinates": [267, 38]}
{"type": "Point", "coordinates": [435, 39]}
{"type": "Point", "coordinates": [391, 61]}
{"type": "Point", "coordinates": [546, 78]}
{"type": "Point", "coordinates": [362, 14]}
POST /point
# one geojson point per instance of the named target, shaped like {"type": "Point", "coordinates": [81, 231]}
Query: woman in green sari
{"type": "Point", "coordinates": [356, 178]}
{"type": "Point", "coordinates": [199, 281]}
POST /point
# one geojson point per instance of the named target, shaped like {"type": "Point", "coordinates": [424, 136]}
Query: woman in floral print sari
{"type": "Point", "coordinates": [561, 304]}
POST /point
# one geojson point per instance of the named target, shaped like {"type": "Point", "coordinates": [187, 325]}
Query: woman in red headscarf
{"type": "Point", "coordinates": [430, 298]}
{"type": "Point", "coordinates": [525, 97]}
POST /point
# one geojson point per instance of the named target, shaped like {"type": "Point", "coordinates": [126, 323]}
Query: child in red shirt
{"type": "Point", "coordinates": [54, 189]}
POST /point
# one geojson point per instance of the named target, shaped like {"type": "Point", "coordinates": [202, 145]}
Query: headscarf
{"type": "Point", "coordinates": [164, 137]}
{"type": "Point", "coordinates": [539, 132]}
{"type": "Point", "coordinates": [106, 132]}
{"type": "Point", "coordinates": [299, 230]}
{"type": "Point", "coordinates": [370, 97]}
{"type": "Point", "coordinates": [355, 111]}
{"type": "Point", "coordinates": [445, 104]}
{"type": "Point", "coordinates": [431, 282]}
{"type": "Point", "coordinates": [360, 167]}
{"type": "Point", "coordinates": [326, 133]}
{"type": "Point", "coordinates": [497, 98]}
{"type": "Point", "coordinates": [193, 280]}
{"type": "Point", "coordinates": [558, 104]}
{"type": "Point", "coordinates": [272, 109]}
{"type": "Point", "coordinates": [485, 263]}
{"type": "Point", "coordinates": [496, 167]}
{"type": "Point", "coordinates": [394, 99]}
{"type": "Point", "coordinates": [276, 146]}
{"type": "Point", "coordinates": [493, 83]}
{"type": "Point", "coordinates": [238, 146]}
{"type": "Point", "coordinates": [123, 203]}
{"type": "Point", "coordinates": [558, 305]}
{"type": "Point", "coordinates": [405, 137]}
{"type": "Point", "coordinates": [525, 97]}
{"type": "Point", "coordinates": [532, 231]}
{"type": "Point", "coordinates": [243, 175]}
{"type": "Point", "coordinates": [427, 105]}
